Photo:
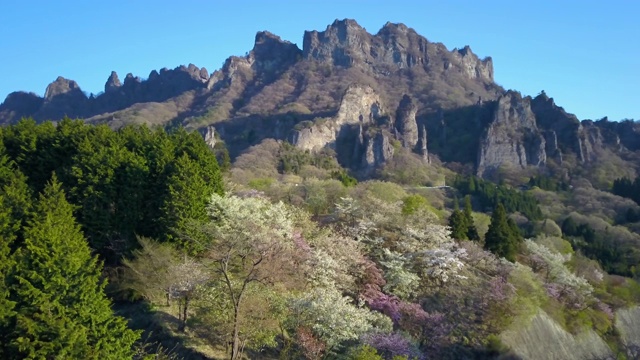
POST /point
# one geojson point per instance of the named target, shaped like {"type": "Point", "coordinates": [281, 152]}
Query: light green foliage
{"type": "Point", "coordinates": [62, 311]}
{"type": "Point", "coordinates": [571, 288]}
{"type": "Point", "coordinates": [410, 169]}
{"type": "Point", "coordinates": [365, 352]}
{"type": "Point", "coordinates": [386, 191]}
{"type": "Point", "coordinates": [413, 203]}
{"type": "Point", "coordinates": [530, 293]}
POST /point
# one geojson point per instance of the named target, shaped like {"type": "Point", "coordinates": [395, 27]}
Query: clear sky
{"type": "Point", "coordinates": [583, 53]}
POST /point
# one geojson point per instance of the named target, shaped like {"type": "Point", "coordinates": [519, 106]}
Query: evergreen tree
{"type": "Point", "coordinates": [458, 225]}
{"type": "Point", "coordinates": [501, 238]}
{"type": "Point", "coordinates": [569, 227]}
{"type": "Point", "coordinates": [61, 309]}
{"type": "Point", "coordinates": [6, 266]}
{"type": "Point", "coordinates": [472, 231]}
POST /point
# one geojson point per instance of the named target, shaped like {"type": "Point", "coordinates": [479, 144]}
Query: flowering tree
{"type": "Point", "coordinates": [393, 345]}
{"type": "Point", "coordinates": [250, 242]}
{"type": "Point", "coordinates": [560, 283]}
{"type": "Point", "coordinates": [334, 318]}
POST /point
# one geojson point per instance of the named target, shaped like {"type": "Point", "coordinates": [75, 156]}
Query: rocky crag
{"type": "Point", "coordinates": [356, 92]}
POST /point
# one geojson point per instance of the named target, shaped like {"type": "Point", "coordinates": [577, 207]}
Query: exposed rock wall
{"type": "Point", "coordinates": [396, 46]}
{"type": "Point", "coordinates": [406, 122]}
{"type": "Point", "coordinates": [512, 137]}
{"type": "Point", "coordinates": [543, 338]}
{"type": "Point", "coordinates": [359, 106]}
{"type": "Point", "coordinates": [584, 139]}
{"type": "Point", "coordinates": [378, 150]}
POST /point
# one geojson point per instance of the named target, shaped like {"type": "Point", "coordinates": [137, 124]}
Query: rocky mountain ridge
{"type": "Point", "coordinates": [352, 91]}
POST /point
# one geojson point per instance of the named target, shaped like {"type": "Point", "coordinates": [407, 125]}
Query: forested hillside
{"type": "Point", "coordinates": [286, 256]}
{"type": "Point", "coordinates": [367, 196]}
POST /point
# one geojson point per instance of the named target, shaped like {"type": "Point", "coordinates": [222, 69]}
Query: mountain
{"type": "Point", "coordinates": [357, 93]}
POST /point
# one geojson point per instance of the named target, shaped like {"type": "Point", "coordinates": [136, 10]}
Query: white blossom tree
{"type": "Point", "coordinates": [334, 318]}
{"type": "Point", "coordinates": [561, 284]}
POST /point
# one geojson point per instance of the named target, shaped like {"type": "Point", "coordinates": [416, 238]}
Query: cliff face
{"type": "Point", "coordinates": [346, 44]}
{"type": "Point", "coordinates": [353, 132]}
{"type": "Point", "coordinates": [512, 137]}
{"type": "Point", "coordinates": [359, 106]}
{"type": "Point", "coordinates": [406, 122]}
{"type": "Point", "coordinates": [343, 75]}
{"type": "Point", "coordinates": [582, 139]}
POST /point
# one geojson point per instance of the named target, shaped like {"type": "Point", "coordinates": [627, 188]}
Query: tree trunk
{"type": "Point", "coordinates": [182, 314]}
{"type": "Point", "coordinates": [235, 347]}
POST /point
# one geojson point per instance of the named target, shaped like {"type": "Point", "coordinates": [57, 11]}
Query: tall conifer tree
{"type": "Point", "coordinates": [501, 238]}
{"type": "Point", "coordinates": [61, 309]}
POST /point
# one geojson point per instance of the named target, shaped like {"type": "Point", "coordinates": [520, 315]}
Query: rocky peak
{"type": "Point", "coordinates": [472, 66]}
{"type": "Point", "coordinates": [342, 43]}
{"type": "Point", "coordinates": [131, 80]}
{"type": "Point", "coordinates": [59, 87]}
{"type": "Point", "coordinates": [566, 126]}
{"type": "Point", "coordinates": [396, 46]}
{"type": "Point", "coordinates": [17, 105]}
{"type": "Point", "coordinates": [113, 83]}
{"type": "Point", "coordinates": [271, 53]}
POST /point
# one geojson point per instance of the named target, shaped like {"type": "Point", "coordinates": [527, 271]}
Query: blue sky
{"type": "Point", "coordinates": [585, 54]}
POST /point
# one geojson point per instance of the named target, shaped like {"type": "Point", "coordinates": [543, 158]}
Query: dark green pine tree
{"type": "Point", "coordinates": [185, 206]}
{"type": "Point", "coordinates": [458, 225]}
{"type": "Point", "coordinates": [61, 309]}
{"type": "Point", "coordinates": [6, 267]}
{"type": "Point", "coordinates": [501, 238]}
{"type": "Point", "coordinates": [472, 231]}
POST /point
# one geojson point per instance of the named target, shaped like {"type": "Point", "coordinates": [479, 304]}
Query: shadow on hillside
{"type": "Point", "coordinates": [157, 336]}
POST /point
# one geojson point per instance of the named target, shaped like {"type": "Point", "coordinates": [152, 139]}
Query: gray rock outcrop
{"type": "Point", "coordinates": [512, 137]}
{"type": "Point", "coordinates": [406, 122]}
{"type": "Point", "coordinates": [422, 145]}
{"type": "Point", "coordinates": [346, 44]}
{"type": "Point", "coordinates": [584, 139]}
{"type": "Point", "coordinates": [359, 106]}
{"type": "Point", "coordinates": [378, 150]}
{"type": "Point", "coordinates": [113, 83]}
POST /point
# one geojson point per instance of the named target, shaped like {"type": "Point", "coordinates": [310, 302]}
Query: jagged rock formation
{"type": "Point", "coordinates": [64, 98]}
{"type": "Point", "coordinates": [582, 139]}
{"type": "Point", "coordinates": [113, 83]}
{"type": "Point", "coordinates": [422, 145]}
{"type": "Point", "coordinates": [446, 97]}
{"type": "Point", "coordinates": [346, 44]}
{"type": "Point", "coordinates": [543, 338]}
{"type": "Point", "coordinates": [406, 122]}
{"type": "Point", "coordinates": [359, 106]}
{"type": "Point", "coordinates": [512, 138]}
{"type": "Point", "coordinates": [377, 151]}
{"type": "Point", "coordinates": [18, 105]}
